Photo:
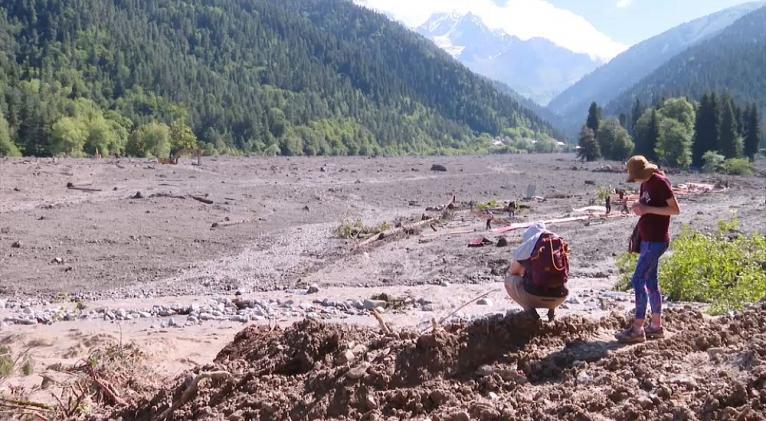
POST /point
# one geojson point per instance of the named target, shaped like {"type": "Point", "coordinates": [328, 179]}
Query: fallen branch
{"type": "Point", "coordinates": [71, 186]}
{"type": "Point", "coordinates": [201, 199]}
{"type": "Point", "coordinates": [107, 390]}
{"type": "Point", "coordinates": [383, 326]}
{"type": "Point", "coordinates": [392, 231]}
{"type": "Point", "coordinates": [25, 404]}
{"type": "Point", "coordinates": [445, 318]}
{"type": "Point", "coordinates": [191, 390]}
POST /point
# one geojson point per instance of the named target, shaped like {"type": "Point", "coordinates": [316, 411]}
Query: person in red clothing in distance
{"type": "Point", "coordinates": [655, 206]}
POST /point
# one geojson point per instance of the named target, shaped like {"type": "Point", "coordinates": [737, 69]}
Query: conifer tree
{"type": "Point", "coordinates": [588, 147]}
{"type": "Point", "coordinates": [705, 129]}
{"type": "Point", "coordinates": [594, 117]}
{"type": "Point", "coordinates": [752, 131]}
{"type": "Point", "coordinates": [729, 142]}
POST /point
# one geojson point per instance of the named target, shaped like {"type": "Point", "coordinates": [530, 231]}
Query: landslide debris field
{"type": "Point", "coordinates": [147, 271]}
{"type": "Point", "coordinates": [498, 368]}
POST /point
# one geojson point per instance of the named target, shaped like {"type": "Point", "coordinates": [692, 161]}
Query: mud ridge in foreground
{"type": "Point", "coordinates": [499, 368]}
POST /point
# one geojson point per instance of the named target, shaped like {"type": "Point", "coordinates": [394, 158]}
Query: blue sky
{"type": "Point", "coordinates": [600, 28]}
{"type": "Point", "coordinates": [632, 21]}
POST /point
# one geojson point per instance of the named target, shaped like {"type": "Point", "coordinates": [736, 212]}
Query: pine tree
{"type": "Point", "coordinates": [752, 131]}
{"type": "Point", "coordinates": [594, 117]}
{"type": "Point", "coordinates": [588, 147]}
{"type": "Point", "coordinates": [729, 142]}
{"type": "Point", "coordinates": [635, 114]}
{"type": "Point", "coordinates": [705, 129]}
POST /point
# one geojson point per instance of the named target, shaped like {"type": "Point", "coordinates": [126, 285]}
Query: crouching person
{"type": "Point", "coordinates": [539, 272]}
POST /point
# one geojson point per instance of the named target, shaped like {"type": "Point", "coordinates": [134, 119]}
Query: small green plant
{"type": "Point", "coordinates": [28, 366]}
{"type": "Point", "coordinates": [603, 192]}
{"type": "Point", "coordinates": [6, 362]}
{"type": "Point", "coordinates": [492, 204]}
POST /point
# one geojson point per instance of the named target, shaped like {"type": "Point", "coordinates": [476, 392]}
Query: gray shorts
{"type": "Point", "coordinates": [515, 287]}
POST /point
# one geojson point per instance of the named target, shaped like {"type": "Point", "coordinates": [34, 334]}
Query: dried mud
{"type": "Point", "coordinates": [508, 367]}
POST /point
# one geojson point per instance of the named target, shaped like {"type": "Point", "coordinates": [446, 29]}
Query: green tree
{"type": "Point", "coordinates": [7, 147]}
{"type": "Point", "coordinates": [151, 139]}
{"type": "Point", "coordinates": [705, 129]}
{"type": "Point", "coordinates": [182, 137]}
{"type": "Point", "coordinates": [613, 140]}
{"type": "Point", "coordinates": [674, 146]}
{"type": "Point", "coordinates": [679, 109]}
{"type": "Point", "coordinates": [647, 134]}
{"type": "Point", "coordinates": [68, 136]}
{"type": "Point", "coordinates": [588, 149]}
{"type": "Point", "coordinates": [594, 117]}
{"type": "Point", "coordinates": [752, 131]}
{"type": "Point", "coordinates": [729, 142]}
{"type": "Point", "coordinates": [713, 162]}
{"type": "Point", "coordinates": [635, 114]}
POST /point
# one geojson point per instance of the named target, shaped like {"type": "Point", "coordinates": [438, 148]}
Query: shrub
{"type": "Point", "coordinates": [355, 228]}
{"type": "Point", "coordinates": [626, 265]}
{"type": "Point", "coordinates": [713, 162]}
{"type": "Point", "coordinates": [725, 269]}
{"type": "Point", "coordinates": [738, 166]}
{"type": "Point", "coordinates": [6, 362]}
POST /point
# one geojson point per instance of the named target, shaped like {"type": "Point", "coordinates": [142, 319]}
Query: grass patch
{"type": "Point", "coordinates": [492, 204]}
{"type": "Point", "coordinates": [28, 366]}
{"type": "Point", "coordinates": [726, 268]}
{"type": "Point", "coordinates": [355, 228]}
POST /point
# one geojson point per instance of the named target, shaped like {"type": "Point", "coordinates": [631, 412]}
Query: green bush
{"type": "Point", "coordinates": [626, 265]}
{"type": "Point", "coordinates": [738, 166]}
{"type": "Point", "coordinates": [725, 268]}
{"type": "Point", "coordinates": [6, 362]}
{"type": "Point", "coordinates": [714, 162]}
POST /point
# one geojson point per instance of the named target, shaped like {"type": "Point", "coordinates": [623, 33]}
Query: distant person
{"type": "Point", "coordinates": [655, 206]}
{"type": "Point", "coordinates": [538, 274]}
{"type": "Point", "coordinates": [608, 204]}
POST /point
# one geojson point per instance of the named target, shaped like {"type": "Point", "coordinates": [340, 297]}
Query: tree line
{"type": "Point", "coordinates": [293, 77]}
{"type": "Point", "coordinates": [676, 132]}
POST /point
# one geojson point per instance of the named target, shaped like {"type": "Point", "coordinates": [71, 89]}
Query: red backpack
{"type": "Point", "coordinates": [549, 263]}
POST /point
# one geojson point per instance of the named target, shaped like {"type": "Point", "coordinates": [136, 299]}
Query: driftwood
{"type": "Point", "coordinates": [383, 326]}
{"type": "Point", "coordinates": [71, 186]}
{"type": "Point", "coordinates": [393, 231]}
{"type": "Point", "coordinates": [201, 199]}
{"type": "Point", "coordinates": [191, 390]}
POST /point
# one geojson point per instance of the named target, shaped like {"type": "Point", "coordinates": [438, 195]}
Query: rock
{"type": "Point", "coordinates": [584, 378]}
{"type": "Point", "coordinates": [484, 302]}
{"type": "Point", "coordinates": [173, 323]}
{"type": "Point", "coordinates": [16, 245]}
{"type": "Point", "coordinates": [502, 242]}
{"type": "Point", "coordinates": [239, 318]}
{"type": "Point", "coordinates": [192, 319]}
{"type": "Point", "coordinates": [444, 283]}
{"type": "Point", "coordinates": [458, 416]}
{"type": "Point", "coordinates": [313, 289]}
{"type": "Point", "coordinates": [485, 370]}
{"type": "Point", "coordinates": [357, 373]}
{"type": "Point", "coordinates": [372, 304]}
{"type": "Point", "coordinates": [58, 261]}
{"type": "Point", "coordinates": [138, 195]}
{"type": "Point", "coordinates": [438, 167]}
{"type": "Point", "coordinates": [716, 353]}
{"type": "Point", "coordinates": [370, 402]}
{"type": "Point", "coordinates": [493, 396]}
{"type": "Point", "coordinates": [346, 357]}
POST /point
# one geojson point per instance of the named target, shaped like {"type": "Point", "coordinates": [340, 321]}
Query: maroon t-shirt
{"type": "Point", "coordinates": [655, 192]}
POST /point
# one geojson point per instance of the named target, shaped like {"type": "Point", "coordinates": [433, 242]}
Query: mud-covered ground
{"type": "Point", "coordinates": [497, 368]}
{"type": "Point", "coordinates": [275, 220]}
{"type": "Point", "coordinates": [87, 263]}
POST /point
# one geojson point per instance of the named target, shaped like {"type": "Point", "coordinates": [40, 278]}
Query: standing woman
{"type": "Point", "coordinates": [655, 206]}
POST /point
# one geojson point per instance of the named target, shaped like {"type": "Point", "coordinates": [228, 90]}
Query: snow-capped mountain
{"type": "Point", "coordinates": [536, 68]}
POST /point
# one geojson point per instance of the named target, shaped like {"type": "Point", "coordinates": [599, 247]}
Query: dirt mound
{"type": "Point", "coordinates": [509, 367]}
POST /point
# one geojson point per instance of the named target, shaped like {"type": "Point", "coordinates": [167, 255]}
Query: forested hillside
{"type": "Point", "coordinates": [609, 81]}
{"type": "Point", "coordinates": [275, 77]}
{"type": "Point", "coordinates": [733, 62]}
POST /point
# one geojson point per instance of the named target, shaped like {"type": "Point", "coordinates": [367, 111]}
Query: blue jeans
{"type": "Point", "coordinates": [645, 278]}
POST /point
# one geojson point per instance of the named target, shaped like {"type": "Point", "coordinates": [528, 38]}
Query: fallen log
{"type": "Point", "coordinates": [71, 186]}
{"type": "Point", "coordinates": [201, 199]}
{"type": "Point", "coordinates": [392, 231]}
{"type": "Point", "coordinates": [383, 326]}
